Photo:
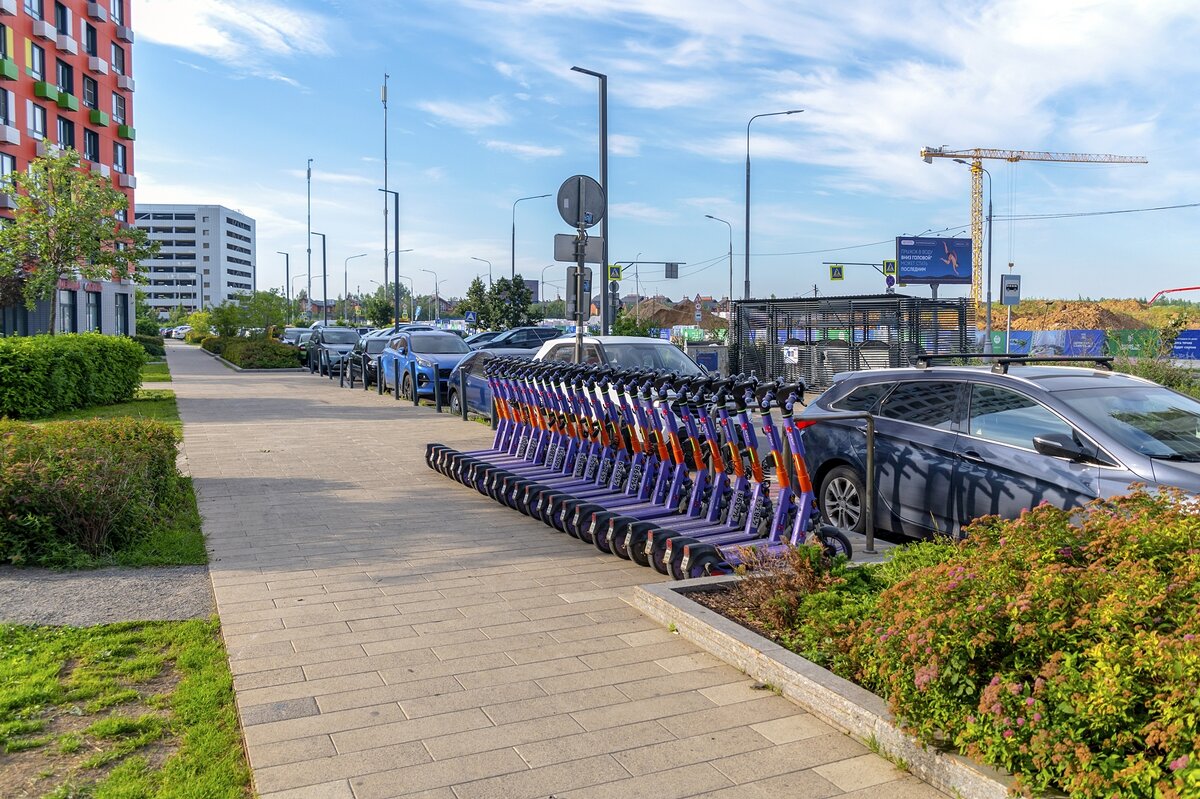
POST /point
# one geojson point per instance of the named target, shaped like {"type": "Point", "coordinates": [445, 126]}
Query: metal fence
{"type": "Point", "coordinates": [812, 339]}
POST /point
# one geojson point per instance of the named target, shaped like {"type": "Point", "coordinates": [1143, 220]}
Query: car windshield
{"type": "Point", "coordinates": [651, 356]}
{"type": "Point", "coordinates": [340, 336]}
{"type": "Point", "coordinates": [303, 338]}
{"type": "Point", "coordinates": [439, 345]}
{"type": "Point", "coordinates": [376, 345]}
{"type": "Point", "coordinates": [1154, 421]}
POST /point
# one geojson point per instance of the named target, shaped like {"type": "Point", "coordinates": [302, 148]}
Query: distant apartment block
{"type": "Point", "coordinates": [206, 255]}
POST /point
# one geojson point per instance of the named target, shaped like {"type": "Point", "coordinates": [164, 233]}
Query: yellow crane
{"type": "Point", "coordinates": [974, 158]}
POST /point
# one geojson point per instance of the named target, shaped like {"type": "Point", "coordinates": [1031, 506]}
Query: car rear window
{"type": "Point", "coordinates": [925, 402]}
{"type": "Point", "coordinates": [376, 345]}
{"type": "Point", "coordinates": [340, 336]}
{"type": "Point", "coordinates": [862, 398]}
{"type": "Point", "coordinates": [438, 344]}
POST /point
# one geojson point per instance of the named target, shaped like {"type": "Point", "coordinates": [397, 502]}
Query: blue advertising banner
{"type": "Point", "coordinates": [931, 260]}
{"type": "Point", "coordinates": [1049, 342]}
{"type": "Point", "coordinates": [1187, 345]}
{"type": "Point", "coordinates": [1019, 342]}
{"type": "Point", "coordinates": [1085, 342]}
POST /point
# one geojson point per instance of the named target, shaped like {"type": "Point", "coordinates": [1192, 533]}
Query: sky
{"type": "Point", "coordinates": [234, 96]}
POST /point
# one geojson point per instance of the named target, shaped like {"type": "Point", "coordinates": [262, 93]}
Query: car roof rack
{"type": "Point", "coordinates": [1002, 360]}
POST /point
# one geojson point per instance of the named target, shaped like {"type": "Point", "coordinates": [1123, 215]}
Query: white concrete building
{"type": "Point", "coordinates": [207, 243]}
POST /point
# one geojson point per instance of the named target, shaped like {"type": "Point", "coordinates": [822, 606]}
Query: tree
{"type": "Point", "coordinates": [626, 325]}
{"type": "Point", "coordinates": [477, 301]}
{"type": "Point", "coordinates": [145, 316]}
{"type": "Point", "coordinates": [65, 225]}
{"type": "Point", "coordinates": [225, 318]}
{"type": "Point", "coordinates": [262, 310]}
{"type": "Point", "coordinates": [554, 309]}
{"type": "Point", "coordinates": [201, 323]}
{"type": "Point", "coordinates": [177, 316]}
{"type": "Point", "coordinates": [378, 308]}
{"type": "Point", "coordinates": [508, 302]}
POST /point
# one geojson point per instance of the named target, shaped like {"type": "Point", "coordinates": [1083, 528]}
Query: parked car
{"type": "Point", "coordinates": [302, 345]}
{"type": "Point", "coordinates": [956, 443]}
{"type": "Point", "coordinates": [521, 338]}
{"type": "Point", "coordinates": [364, 359]}
{"type": "Point", "coordinates": [435, 354]}
{"type": "Point", "coordinates": [327, 347]}
{"type": "Point", "coordinates": [622, 352]}
{"type": "Point", "coordinates": [476, 340]}
{"type": "Point", "coordinates": [479, 393]}
{"type": "Point", "coordinates": [181, 331]}
{"type": "Point", "coordinates": [291, 335]}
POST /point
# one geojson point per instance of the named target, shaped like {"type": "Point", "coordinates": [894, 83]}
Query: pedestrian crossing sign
{"type": "Point", "coordinates": [614, 271]}
{"type": "Point", "coordinates": [837, 272]}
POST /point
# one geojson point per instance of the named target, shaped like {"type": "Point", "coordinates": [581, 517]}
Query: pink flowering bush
{"type": "Point", "coordinates": [1063, 646]}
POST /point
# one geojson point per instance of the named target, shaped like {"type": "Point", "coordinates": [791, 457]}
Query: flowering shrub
{"type": "Point", "coordinates": [82, 487]}
{"type": "Point", "coordinates": [42, 375]}
{"type": "Point", "coordinates": [1061, 646]}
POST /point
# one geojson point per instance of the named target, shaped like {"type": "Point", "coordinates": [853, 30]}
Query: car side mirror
{"type": "Point", "coordinates": [1060, 445]}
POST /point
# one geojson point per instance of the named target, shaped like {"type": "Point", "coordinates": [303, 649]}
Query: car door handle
{"type": "Point", "coordinates": [971, 456]}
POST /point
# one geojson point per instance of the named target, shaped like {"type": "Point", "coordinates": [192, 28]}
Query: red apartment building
{"type": "Point", "coordinates": [66, 76]}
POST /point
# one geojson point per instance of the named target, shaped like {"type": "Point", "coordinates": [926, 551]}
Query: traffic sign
{"type": "Point", "coordinates": [837, 272]}
{"type": "Point", "coordinates": [614, 271]}
{"type": "Point", "coordinates": [471, 317]}
{"type": "Point", "coordinates": [889, 268]}
{"type": "Point", "coordinates": [582, 303]}
{"type": "Point", "coordinates": [564, 249]}
{"type": "Point", "coordinates": [581, 201]}
{"type": "Point", "coordinates": [1010, 289]}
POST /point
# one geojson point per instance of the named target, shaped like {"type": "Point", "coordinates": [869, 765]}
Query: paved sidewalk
{"type": "Point", "coordinates": [392, 633]}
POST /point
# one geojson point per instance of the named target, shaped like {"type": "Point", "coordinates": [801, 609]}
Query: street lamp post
{"type": "Point", "coordinates": [437, 303]}
{"type": "Point", "coordinates": [514, 232]}
{"type": "Point", "coordinates": [412, 298]}
{"type": "Point", "coordinates": [346, 282]}
{"type": "Point", "coordinates": [746, 293]}
{"type": "Point", "coordinates": [324, 280]}
{"type": "Point", "coordinates": [489, 263]}
{"type": "Point", "coordinates": [396, 254]}
{"type": "Point", "coordinates": [987, 330]}
{"type": "Point", "coordinates": [719, 219]}
{"type": "Point", "coordinates": [604, 184]}
{"type": "Point", "coordinates": [287, 281]}
{"type": "Point", "coordinates": [308, 241]}
{"type": "Point", "coordinates": [292, 284]}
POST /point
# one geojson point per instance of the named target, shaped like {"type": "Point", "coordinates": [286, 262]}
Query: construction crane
{"type": "Point", "coordinates": [974, 158]}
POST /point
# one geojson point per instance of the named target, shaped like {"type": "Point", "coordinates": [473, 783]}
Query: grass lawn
{"type": "Point", "coordinates": [124, 710]}
{"type": "Point", "coordinates": [148, 404]}
{"type": "Point", "coordinates": [156, 372]}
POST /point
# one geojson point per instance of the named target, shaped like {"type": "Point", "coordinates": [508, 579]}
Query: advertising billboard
{"type": "Point", "coordinates": [931, 260]}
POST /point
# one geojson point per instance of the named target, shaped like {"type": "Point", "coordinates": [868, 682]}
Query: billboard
{"type": "Point", "coordinates": [931, 260]}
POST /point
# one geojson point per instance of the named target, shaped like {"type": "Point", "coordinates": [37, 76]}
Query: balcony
{"type": "Point", "coordinates": [68, 102]}
{"type": "Point", "coordinates": [68, 45]}
{"type": "Point", "coordinates": [97, 65]}
{"type": "Point", "coordinates": [98, 118]}
{"type": "Point", "coordinates": [47, 90]}
{"type": "Point", "coordinates": [45, 148]}
{"type": "Point", "coordinates": [8, 7]}
{"type": "Point", "coordinates": [125, 34]}
{"type": "Point", "coordinates": [126, 132]}
{"type": "Point", "coordinates": [125, 82]}
{"type": "Point", "coordinates": [126, 181]}
{"type": "Point", "coordinates": [97, 12]}
{"type": "Point", "coordinates": [100, 169]}
{"type": "Point", "coordinates": [44, 30]}
{"type": "Point", "coordinates": [9, 69]}
{"type": "Point", "coordinates": [9, 135]}
{"type": "Point", "coordinates": [7, 201]}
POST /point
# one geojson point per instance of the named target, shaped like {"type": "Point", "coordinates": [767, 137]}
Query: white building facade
{"type": "Point", "coordinates": [206, 255]}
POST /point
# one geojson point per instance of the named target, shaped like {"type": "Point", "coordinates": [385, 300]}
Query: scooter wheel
{"type": "Point", "coordinates": [707, 565]}
{"type": "Point", "coordinates": [834, 542]}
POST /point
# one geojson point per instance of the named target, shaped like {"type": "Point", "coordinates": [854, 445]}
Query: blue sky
{"type": "Point", "coordinates": [235, 95]}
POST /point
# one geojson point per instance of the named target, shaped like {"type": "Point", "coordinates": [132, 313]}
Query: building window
{"type": "Point", "coordinates": [6, 107]}
{"type": "Point", "coordinates": [66, 312]}
{"type": "Point", "coordinates": [65, 76]}
{"type": "Point", "coordinates": [37, 121]}
{"type": "Point", "coordinates": [37, 62]}
{"type": "Point", "coordinates": [122, 314]}
{"type": "Point", "coordinates": [119, 110]}
{"type": "Point", "coordinates": [8, 165]}
{"type": "Point", "coordinates": [90, 92]}
{"type": "Point", "coordinates": [66, 133]}
{"type": "Point", "coordinates": [62, 19]}
{"type": "Point", "coordinates": [118, 12]}
{"type": "Point", "coordinates": [118, 60]}
{"type": "Point", "coordinates": [91, 145]}
{"type": "Point", "coordinates": [3, 41]}
{"type": "Point", "coordinates": [118, 157]}
{"type": "Point", "coordinates": [90, 45]}
{"type": "Point", "coordinates": [34, 8]}
{"type": "Point", "coordinates": [93, 311]}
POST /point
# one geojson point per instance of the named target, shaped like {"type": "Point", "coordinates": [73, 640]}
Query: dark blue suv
{"type": "Point", "coordinates": [954, 443]}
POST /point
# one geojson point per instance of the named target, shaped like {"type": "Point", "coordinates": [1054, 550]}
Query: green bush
{"type": "Point", "coordinates": [153, 345]}
{"type": "Point", "coordinates": [214, 344]}
{"type": "Point", "coordinates": [82, 488]}
{"type": "Point", "coordinates": [261, 353]}
{"type": "Point", "coordinates": [148, 327]}
{"type": "Point", "coordinates": [42, 375]}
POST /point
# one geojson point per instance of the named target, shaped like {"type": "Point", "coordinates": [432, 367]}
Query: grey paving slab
{"type": "Point", "coordinates": [392, 633]}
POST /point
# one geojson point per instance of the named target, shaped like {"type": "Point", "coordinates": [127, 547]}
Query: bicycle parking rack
{"type": "Point", "coordinates": [650, 466]}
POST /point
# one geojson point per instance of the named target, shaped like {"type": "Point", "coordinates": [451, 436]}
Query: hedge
{"type": "Point", "coordinates": [153, 345]}
{"type": "Point", "coordinates": [253, 353]}
{"type": "Point", "coordinates": [82, 487]}
{"type": "Point", "coordinates": [42, 375]}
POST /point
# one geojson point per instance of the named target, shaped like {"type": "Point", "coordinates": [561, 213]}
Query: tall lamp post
{"type": "Point", "coordinates": [514, 231]}
{"type": "Point", "coordinates": [987, 330]}
{"type": "Point", "coordinates": [746, 293]}
{"type": "Point", "coordinates": [396, 254]}
{"type": "Point", "coordinates": [293, 284]}
{"type": "Point", "coordinates": [412, 297]}
{"type": "Point", "coordinates": [719, 219]}
{"type": "Point", "coordinates": [437, 303]}
{"type": "Point", "coordinates": [324, 280]}
{"type": "Point", "coordinates": [308, 241]}
{"type": "Point", "coordinates": [287, 281]}
{"type": "Point", "coordinates": [604, 184]}
{"type": "Point", "coordinates": [489, 263]}
{"type": "Point", "coordinates": [346, 284]}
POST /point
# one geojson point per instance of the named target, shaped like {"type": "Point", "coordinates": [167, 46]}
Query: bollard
{"type": "Point", "coordinates": [412, 373]}
{"type": "Point", "coordinates": [437, 389]}
{"type": "Point", "coordinates": [396, 379]}
{"type": "Point", "coordinates": [462, 393]}
{"type": "Point", "coordinates": [341, 373]}
{"type": "Point", "coordinates": [312, 367]}
{"type": "Point", "coordinates": [379, 375]}
{"type": "Point", "coordinates": [365, 360]}
{"type": "Point", "coordinates": [350, 372]}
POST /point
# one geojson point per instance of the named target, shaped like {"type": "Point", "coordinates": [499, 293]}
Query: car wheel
{"type": "Point", "coordinates": [454, 406]}
{"type": "Point", "coordinates": [841, 499]}
{"type": "Point", "coordinates": [406, 390]}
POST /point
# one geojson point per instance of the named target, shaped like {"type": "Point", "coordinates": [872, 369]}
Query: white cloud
{"type": "Point", "coordinates": [340, 178]}
{"type": "Point", "coordinates": [643, 213]}
{"type": "Point", "coordinates": [469, 116]}
{"type": "Point", "coordinates": [526, 151]}
{"type": "Point", "coordinates": [623, 145]}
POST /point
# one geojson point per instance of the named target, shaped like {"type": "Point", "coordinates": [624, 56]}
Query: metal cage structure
{"type": "Point", "coordinates": [814, 338]}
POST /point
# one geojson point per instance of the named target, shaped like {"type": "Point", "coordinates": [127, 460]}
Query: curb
{"type": "Point", "coordinates": [847, 706]}
{"type": "Point", "coordinates": [237, 368]}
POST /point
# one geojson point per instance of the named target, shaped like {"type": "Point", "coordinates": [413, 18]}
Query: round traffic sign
{"type": "Point", "coordinates": [581, 201]}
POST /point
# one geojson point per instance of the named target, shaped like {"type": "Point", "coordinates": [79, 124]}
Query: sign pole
{"type": "Point", "coordinates": [580, 246]}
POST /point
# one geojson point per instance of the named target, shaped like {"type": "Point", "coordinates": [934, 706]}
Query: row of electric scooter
{"type": "Point", "coordinates": [649, 466]}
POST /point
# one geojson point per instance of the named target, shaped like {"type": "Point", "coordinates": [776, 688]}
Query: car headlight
{"type": "Point", "coordinates": [424, 363]}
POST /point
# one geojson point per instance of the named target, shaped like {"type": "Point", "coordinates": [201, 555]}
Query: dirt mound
{"type": "Point", "coordinates": [1065, 315]}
